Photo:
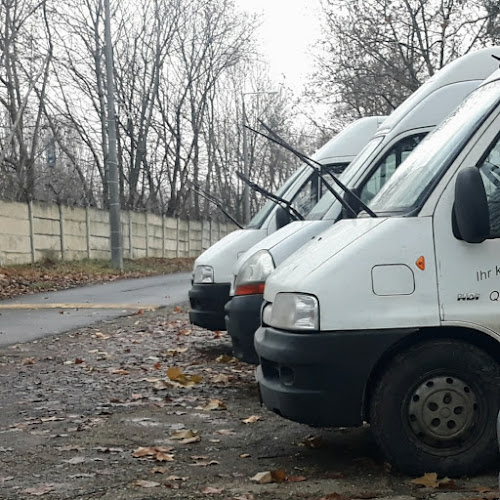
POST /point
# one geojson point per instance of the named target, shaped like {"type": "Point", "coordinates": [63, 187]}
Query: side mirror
{"type": "Point", "coordinates": [471, 214]}
{"type": "Point", "coordinates": [282, 217]}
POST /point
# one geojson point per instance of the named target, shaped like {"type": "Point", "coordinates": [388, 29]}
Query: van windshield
{"type": "Point", "coordinates": [321, 208]}
{"type": "Point", "coordinates": [415, 179]}
{"type": "Point", "coordinates": [260, 217]}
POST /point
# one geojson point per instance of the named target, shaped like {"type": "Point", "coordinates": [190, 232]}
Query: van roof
{"type": "Point", "coordinates": [350, 141]}
{"type": "Point", "coordinates": [475, 66]}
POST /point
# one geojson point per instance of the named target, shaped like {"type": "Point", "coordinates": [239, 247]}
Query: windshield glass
{"type": "Point", "coordinates": [259, 218]}
{"type": "Point", "coordinates": [327, 200]}
{"type": "Point", "coordinates": [415, 178]}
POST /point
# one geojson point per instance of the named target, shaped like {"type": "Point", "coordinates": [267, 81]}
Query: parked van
{"type": "Point", "coordinates": [395, 319]}
{"type": "Point", "coordinates": [213, 268]}
{"type": "Point", "coordinates": [393, 142]}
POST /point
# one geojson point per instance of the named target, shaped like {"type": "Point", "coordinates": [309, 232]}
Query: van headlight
{"type": "Point", "coordinates": [293, 311]}
{"type": "Point", "coordinates": [203, 274]}
{"type": "Point", "coordinates": [252, 275]}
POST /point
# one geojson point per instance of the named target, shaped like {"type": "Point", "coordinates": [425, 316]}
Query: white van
{"type": "Point", "coordinates": [213, 268]}
{"type": "Point", "coordinates": [395, 319]}
{"type": "Point", "coordinates": [393, 142]}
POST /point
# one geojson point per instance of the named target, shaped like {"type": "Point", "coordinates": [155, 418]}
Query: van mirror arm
{"type": "Point", "coordinates": [341, 185]}
{"type": "Point", "coordinates": [215, 201]}
{"type": "Point", "coordinates": [271, 196]}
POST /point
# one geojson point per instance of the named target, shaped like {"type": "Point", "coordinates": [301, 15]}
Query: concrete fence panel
{"type": "Point", "coordinates": [33, 231]}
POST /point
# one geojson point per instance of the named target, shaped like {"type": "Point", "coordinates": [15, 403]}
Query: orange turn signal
{"type": "Point", "coordinates": [250, 289]}
{"type": "Point", "coordinates": [421, 263]}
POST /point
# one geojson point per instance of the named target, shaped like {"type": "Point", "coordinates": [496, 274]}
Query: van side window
{"type": "Point", "coordinates": [306, 198]}
{"type": "Point", "coordinates": [336, 169]}
{"type": "Point", "coordinates": [490, 173]}
{"type": "Point", "coordinates": [387, 166]}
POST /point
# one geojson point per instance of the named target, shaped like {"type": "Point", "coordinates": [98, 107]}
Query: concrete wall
{"type": "Point", "coordinates": [29, 232]}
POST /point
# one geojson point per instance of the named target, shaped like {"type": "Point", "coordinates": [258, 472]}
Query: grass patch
{"type": "Point", "coordinates": [50, 274]}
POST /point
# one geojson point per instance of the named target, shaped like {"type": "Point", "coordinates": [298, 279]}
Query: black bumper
{"type": "Point", "coordinates": [207, 302]}
{"type": "Point", "coordinates": [242, 319]}
{"type": "Point", "coordinates": [319, 378]}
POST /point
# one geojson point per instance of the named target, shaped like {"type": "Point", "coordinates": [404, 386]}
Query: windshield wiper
{"type": "Point", "coordinates": [273, 197]}
{"type": "Point", "coordinates": [309, 161]}
{"type": "Point", "coordinates": [212, 199]}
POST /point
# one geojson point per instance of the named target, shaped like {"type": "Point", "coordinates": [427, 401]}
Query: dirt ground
{"type": "Point", "coordinates": [149, 407]}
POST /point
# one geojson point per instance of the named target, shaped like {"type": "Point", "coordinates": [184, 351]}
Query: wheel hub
{"type": "Point", "coordinates": [442, 410]}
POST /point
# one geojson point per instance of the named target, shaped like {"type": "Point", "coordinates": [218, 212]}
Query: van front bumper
{"type": "Point", "coordinates": [319, 379]}
{"type": "Point", "coordinates": [242, 320]}
{"type": "Point", "coordinates": [207, 302]}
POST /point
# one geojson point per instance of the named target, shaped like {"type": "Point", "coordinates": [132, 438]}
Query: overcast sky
{"type": "Point", "coordinates": [288, 28]}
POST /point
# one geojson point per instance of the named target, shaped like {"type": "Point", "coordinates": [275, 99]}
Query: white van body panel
{"type": "Point", "coordinates": [352, 251]}
{"type": "Point", "coordinates": [233, 244]}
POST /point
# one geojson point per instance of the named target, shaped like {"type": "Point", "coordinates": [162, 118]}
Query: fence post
{"type": "Point", "coordinates": [218, 230]}
{"type": "Point", "coordinates": [189, 238]}
{"type": "Point", "coordinates": [61, 230]}
{"type": "Point", "coordinates": [32, 231]}
{"type": "Point", "coordinates": [87, 230]}
{"type": "Point", "coordinates": [177, 238]}
{"type": "Point", "coordinates": [163, 235]}
{"type": "Point", "coordinates": [130, 240]}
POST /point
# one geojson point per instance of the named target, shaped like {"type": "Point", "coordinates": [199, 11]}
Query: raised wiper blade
{"type": "Point", "coordinates": [212, 199]}
{"type": "Point", "coordinates": [308, 161]}
{"type": "Point", "coordinates": [273, 197]}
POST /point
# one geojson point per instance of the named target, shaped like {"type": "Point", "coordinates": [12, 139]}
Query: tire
{"type": "Point", "coordinates": [435, 408]}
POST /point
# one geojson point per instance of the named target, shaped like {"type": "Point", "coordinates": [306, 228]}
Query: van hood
{"type": "Point", "coordinates": [282, 243]}
{"type": "Point", "coordinates": [222, 255]}
{"type": "Point", "coordinates": [293, 273]}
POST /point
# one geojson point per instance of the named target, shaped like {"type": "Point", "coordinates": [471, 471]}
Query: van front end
{"type": "Point", "coordinates": [320, 378]}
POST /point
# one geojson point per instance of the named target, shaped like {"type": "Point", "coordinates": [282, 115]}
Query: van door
{"type": "Point", "coordinates": [469, 273]}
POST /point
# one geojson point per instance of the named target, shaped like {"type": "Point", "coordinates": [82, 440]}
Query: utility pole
{"type": "Point", "coordinates": [246, 191]}
{"type": "Point", "coordinates": [112, 161]}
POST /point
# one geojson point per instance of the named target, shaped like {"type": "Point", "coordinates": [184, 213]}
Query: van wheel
{"type": "Point", "coordinates": [435, 407]}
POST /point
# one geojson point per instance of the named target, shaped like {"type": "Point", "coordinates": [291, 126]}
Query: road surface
{"type": "Point", "coordinates": [29, 317]}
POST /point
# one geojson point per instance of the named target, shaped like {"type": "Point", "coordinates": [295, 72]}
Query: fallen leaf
{"type": "Point", "coordinates": [262, 478]}
{"type": "Point", "coordinates": [51, 419]}
{"type": "Point", "coordinates": [100, 335]}
{"type": "Point", "coordinates": [4, 479]}
{"type": "Point", "coordinates": [335, 496]}
{"type": "Point", "coordinates": [28, 361]}
{"type": "Point", "coordinates": [221, 378]}
{"type": "Point", "coordinates": [141, 483]}
{"type": "Point", "coordinates": [430, 480]}
{"type": "Point", "coordinates": [204, 463]}
{"type": "Point", "coordinates": [210, 490]}
{"type": "Point", "coordinates": [175, 374]}
{"type": "Point", "coordinates": [299, 479]}
{"type": "Point", "coordinates": [215, 404]}
{"type": "Point", "coordinates": [244, 497]}
{"type": "Point", "coordinates": [157, 366]}
{"type": "Point", "coordinates": [313, 442]}
{"type": "Point", "coordinates": [119, 371]}
{"type": "Point", "coordinates": [252, 419]}
{"type": "Point", "coordinates": [177, 478]}
{"type": "Point", "coordinates": [186, 436]}
{"type": "Point", "coordinates": [245, 455]}
{"type": "Point", "coordinates": [225, 432]}
{"type": "Point", "coordinates": [39, 490]}
{"type": "Point", "coordinates": [224, 358]}
{"type": "Point", "coordinates": [159, 470]}
{"type": "Point", "coordinates": [278, 475]}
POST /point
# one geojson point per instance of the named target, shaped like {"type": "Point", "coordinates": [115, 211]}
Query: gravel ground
{"type": "Point", "coordinates": [150, 407]}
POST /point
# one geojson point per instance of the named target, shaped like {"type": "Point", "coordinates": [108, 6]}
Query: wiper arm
{"type": "Point", "coordinates": [308, 161]}
{"type": "Point", "coordinates": [212, 199]}
{"type": "Point", "coordinates": [273, 197]}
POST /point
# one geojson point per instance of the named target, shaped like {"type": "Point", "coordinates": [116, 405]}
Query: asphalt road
{"type": "Point", "coordinates": [29, 317]}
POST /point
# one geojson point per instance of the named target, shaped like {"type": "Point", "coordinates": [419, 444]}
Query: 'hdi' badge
{"type": "Point", "coordinates": [468, 296]}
